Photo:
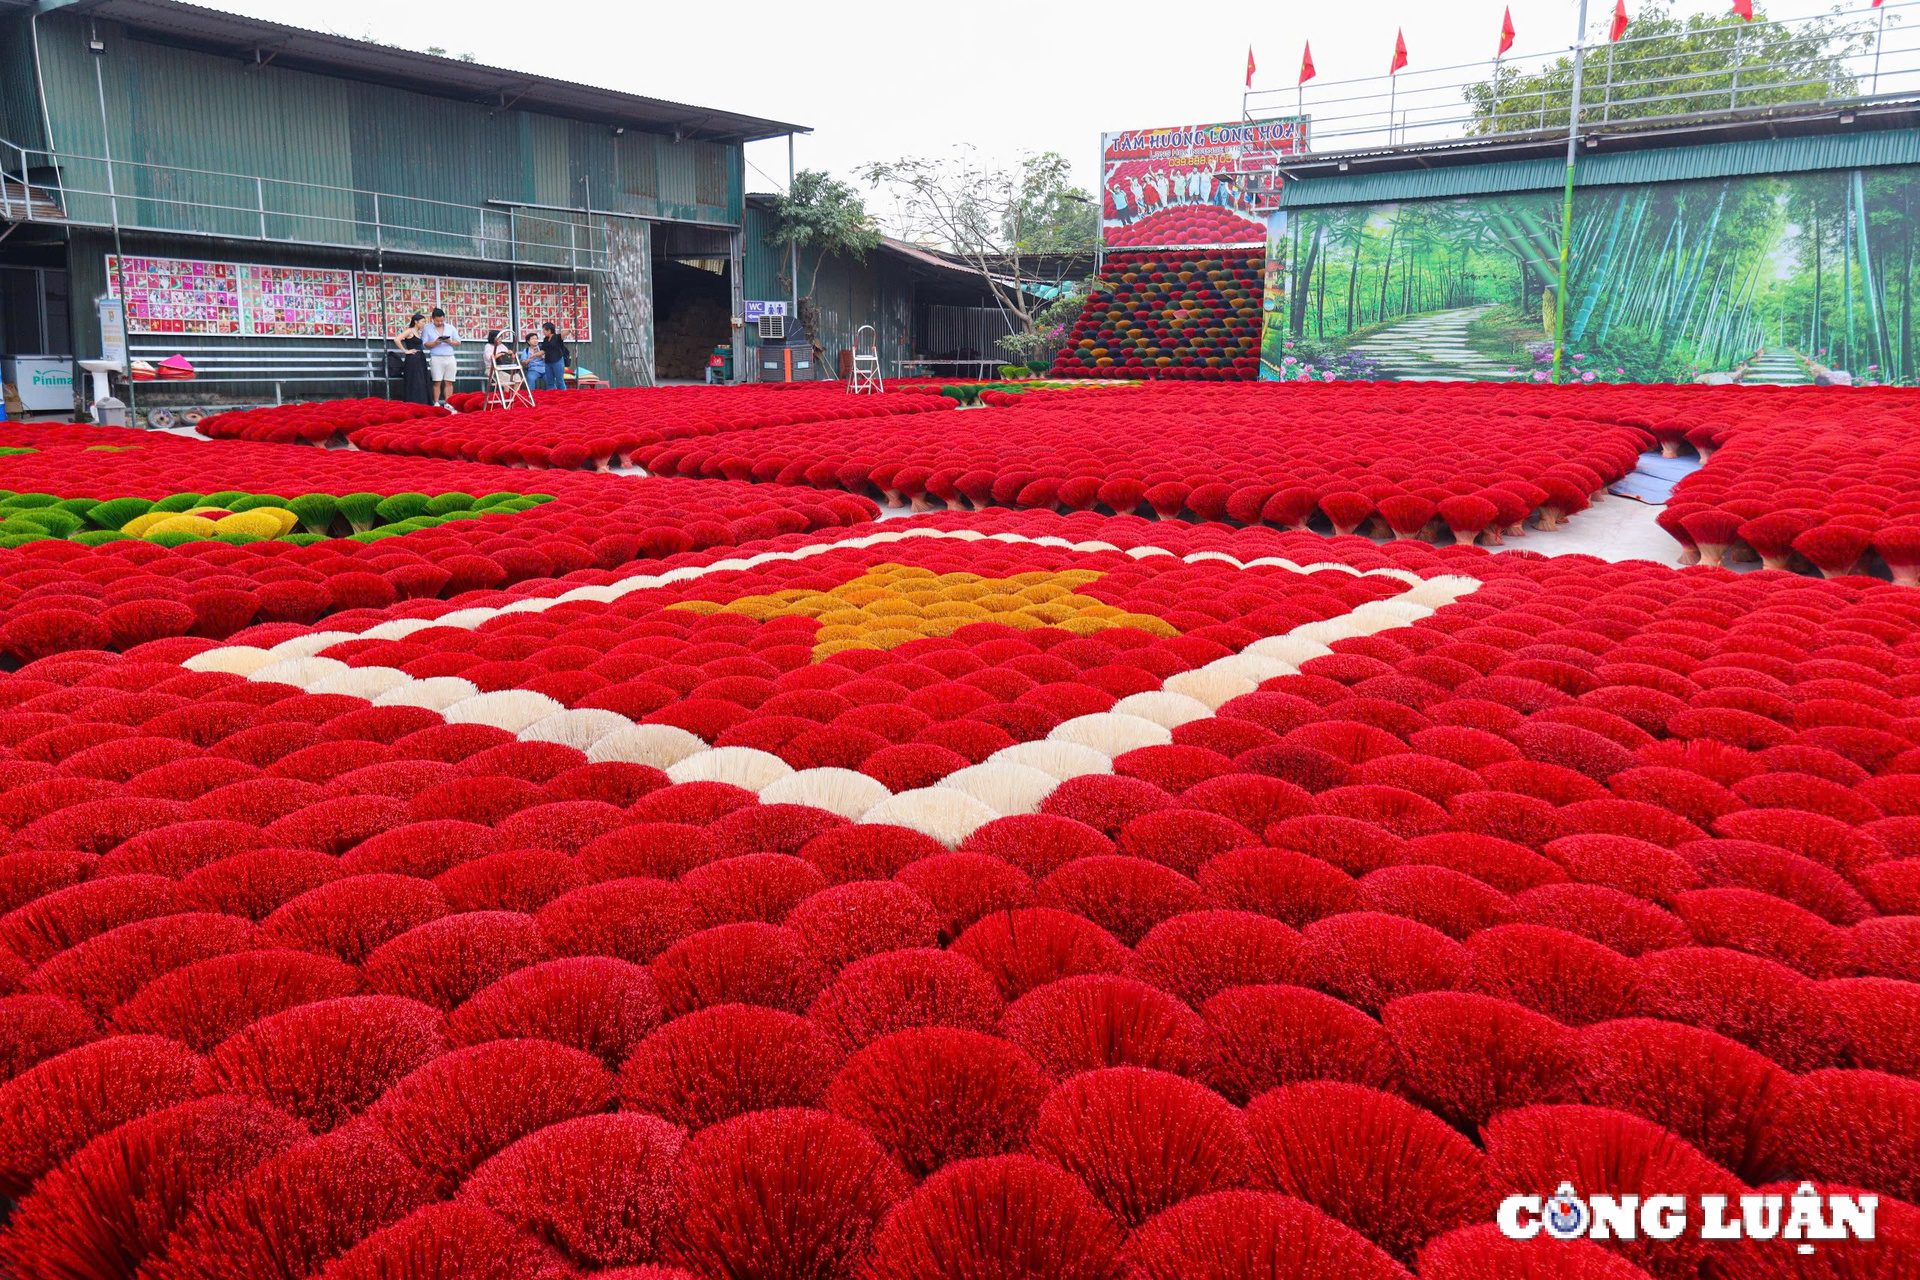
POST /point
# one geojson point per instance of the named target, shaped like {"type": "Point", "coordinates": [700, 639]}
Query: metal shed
{"type": "Point", "coordinates": [184, 134]}
{"type": "Point", "coordinates": [921, 303]}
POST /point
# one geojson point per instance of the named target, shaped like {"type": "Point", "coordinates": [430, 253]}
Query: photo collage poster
{"type": "Point", "coordinates": [191, 297]}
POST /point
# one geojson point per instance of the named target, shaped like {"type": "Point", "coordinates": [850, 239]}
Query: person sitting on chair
{"type": "Point", "coordinates": [503, 366]}
{"type": "Point", "coordinates": [532, 361]}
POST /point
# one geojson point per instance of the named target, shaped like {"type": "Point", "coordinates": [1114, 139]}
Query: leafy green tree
{"type": "Point", "coordinates": [824, 217]}
{"type": "Point", "coordinates": [1052, 215]}
{"type": "Point", "coordinates": [1671, 66]}
{"type": "Point", "coordinates": [1050, 323]}
{"type": "Point", "coordinates": [1019, 228]}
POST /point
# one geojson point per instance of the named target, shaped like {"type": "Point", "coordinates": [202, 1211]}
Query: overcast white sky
{"type": "Point", "coordinates": [882, 81]}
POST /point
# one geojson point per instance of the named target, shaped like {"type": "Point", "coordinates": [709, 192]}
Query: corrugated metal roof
{"type": "Point", "coordinates": [931, 261]}
{"type": "Point", "coordinates": [179, 109]}
{"type": "Point", "coordinates": [1598, 169]}
{"type": "Point", "coordinates": [235, 35]}
{"type": "Point", "coordinates": [763, 264]}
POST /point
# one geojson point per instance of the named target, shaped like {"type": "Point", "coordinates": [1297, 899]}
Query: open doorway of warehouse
{"type": "Point", "coordinates": [693, 302]}
{"type": "Point", "coordinates": [36, 330]}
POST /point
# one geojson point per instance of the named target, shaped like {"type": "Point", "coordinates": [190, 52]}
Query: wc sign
{"type": "Point", "coordinates": [1805, 1217]}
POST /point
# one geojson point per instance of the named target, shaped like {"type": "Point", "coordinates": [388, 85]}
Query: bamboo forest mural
{"type": "Point", "coordinates": [1754, 279]}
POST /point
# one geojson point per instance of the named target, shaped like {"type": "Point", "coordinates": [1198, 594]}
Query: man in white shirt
{"type": "Point", "coordinates": [439, 339]}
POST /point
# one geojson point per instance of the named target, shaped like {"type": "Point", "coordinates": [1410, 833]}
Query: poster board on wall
{"type": "Point", "coordinates": [296, 302]}
{"type": "Point", "coordinates": [1198, 186]}
{"type": "Point", "coordinates": [476, 306]}
{"type": "Point", "coordinates": [192, 296]}
{"type": "Point", "coordinates": [387, 301]}
{"type": "Point", "coordinates": [177, 295]}
{"type": "Point", "coordinates": [568, 306]}
{"type": "Point", "coordinates": [196, 297]}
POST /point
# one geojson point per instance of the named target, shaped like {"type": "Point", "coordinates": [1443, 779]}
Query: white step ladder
{"type": "Point", "coordinates": [507, 386]}
{"type": "Point", "coordinates": [866, 380]}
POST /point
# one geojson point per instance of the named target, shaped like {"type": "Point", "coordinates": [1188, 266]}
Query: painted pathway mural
{"type": "Point", "coordinates": [1764, 279]}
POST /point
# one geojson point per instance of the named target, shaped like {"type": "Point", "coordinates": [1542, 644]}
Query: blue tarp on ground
{"type": "Point", "coordinates": [1653, 480]}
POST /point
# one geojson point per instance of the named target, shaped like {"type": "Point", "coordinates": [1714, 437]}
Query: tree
{"type": "Point", "coordinates": [1050, 323]}
{"type": "Point", "coordinates": [822, 216]}
{"type": "Point", "coordinates": [1671, 66]}
{"type": "Point", "coordinates": [1019, 228]}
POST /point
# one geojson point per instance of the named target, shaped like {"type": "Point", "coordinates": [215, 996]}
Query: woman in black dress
{"type": "Point", "coordinates": [416, 387]}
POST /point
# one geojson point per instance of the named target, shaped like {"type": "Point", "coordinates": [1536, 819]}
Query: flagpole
{"type": "Point", "coordinates": [1566, 207]}
{"type": "Point", "coordinates": [1506, 42]}
{"type": "Point", "coordinates": [1878, 39]}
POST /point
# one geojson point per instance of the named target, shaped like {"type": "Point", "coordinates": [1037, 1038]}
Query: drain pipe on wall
{"type": "Point", "coordinates": [99, 48]}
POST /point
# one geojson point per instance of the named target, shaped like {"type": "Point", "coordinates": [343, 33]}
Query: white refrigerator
{"type": "Point", "coordinates": [43, 383]}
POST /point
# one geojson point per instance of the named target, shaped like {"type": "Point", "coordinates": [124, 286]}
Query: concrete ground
{"type": "Point", "coordinates": [1622, 527]}
{"type": "Point", "coordinates": [1615, 529]}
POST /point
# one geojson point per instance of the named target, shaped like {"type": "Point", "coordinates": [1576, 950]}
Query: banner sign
{"type": "Point", "coordinates": [1200, 186]}
{"type": "Point", "coordinates": [113, 332]}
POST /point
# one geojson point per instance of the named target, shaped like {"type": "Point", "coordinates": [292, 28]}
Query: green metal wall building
{"type": "Point", "coordinates": [920, 304]}
{"type": "Point", "coordinates": [180, 132]}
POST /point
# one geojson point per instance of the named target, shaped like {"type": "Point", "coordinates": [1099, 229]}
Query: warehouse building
{"type": "Point", "coordinates": [244, 188]}
{"type": "Point", "coordinates": [929, 313]}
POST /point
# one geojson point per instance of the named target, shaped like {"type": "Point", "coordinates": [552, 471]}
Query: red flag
{"type": "Point", "coordinates": [1249, 66]}
{"type": "Point", "coordinates": [1619, 20]}
{"type": "Point", "coordinates": [1506, 33]}
{"type": "Point", "coordinates": [1306, 63]}
{"type": "Point", "coordinates": [1743, 9]}
{"type": "Point", "coordinates": [1400, 50]}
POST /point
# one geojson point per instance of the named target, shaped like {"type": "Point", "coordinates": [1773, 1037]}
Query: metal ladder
{"type": "Point", "coordinates": [866, 380]}
{"type": "Point", "coordinates": [507, 387]}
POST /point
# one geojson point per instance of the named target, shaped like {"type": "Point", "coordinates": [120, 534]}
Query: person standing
{"type": "Point", "coordinates": [416, 387]}
{"type": "Point", "coordinates": [555, 353]}
{"type": "Point", "coordinates": [442, 341]}
{"type": "Point", "coordinates": [1149, 197]}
